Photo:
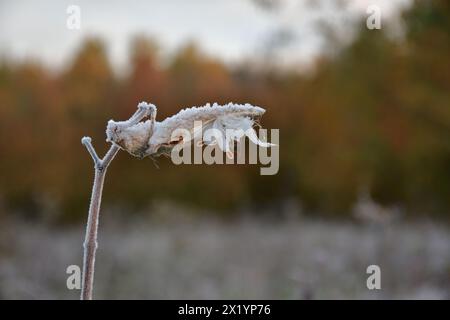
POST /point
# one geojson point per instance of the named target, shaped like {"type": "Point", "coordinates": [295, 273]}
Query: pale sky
{"type": "Point", "coordinates": [231, 30]}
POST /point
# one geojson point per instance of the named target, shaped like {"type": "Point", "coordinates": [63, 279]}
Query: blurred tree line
{"type": "Point", "coordinates": [377, 115]}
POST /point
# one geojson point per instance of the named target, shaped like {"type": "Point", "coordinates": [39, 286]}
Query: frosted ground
{"type": "Point", "coordinates": [169, 256]}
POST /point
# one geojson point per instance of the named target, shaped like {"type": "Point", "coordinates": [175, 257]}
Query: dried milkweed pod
{"type": "Point", "coordinates": [152, 138]}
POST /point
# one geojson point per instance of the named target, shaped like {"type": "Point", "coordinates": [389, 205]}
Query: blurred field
{"type": "Point", "coordinates": [183, 257]}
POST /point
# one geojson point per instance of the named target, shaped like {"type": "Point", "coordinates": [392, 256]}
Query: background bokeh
{"type": "Point", "coordinates": [364, 119]}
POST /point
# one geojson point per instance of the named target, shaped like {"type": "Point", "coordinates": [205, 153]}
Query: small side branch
{"type": "Point", "coordinates": [87, 142]}
{"type": "Point", "coordinates": [109, 156]}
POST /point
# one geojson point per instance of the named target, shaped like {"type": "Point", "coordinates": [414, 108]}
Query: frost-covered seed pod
{"type": "Point", "coordinates": [150, 138]}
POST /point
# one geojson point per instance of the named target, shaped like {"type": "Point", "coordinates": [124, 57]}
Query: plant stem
{"type": "Point", "coordinates": [101, 165]}
{"type": "Point", "coordinates": [90, 242]}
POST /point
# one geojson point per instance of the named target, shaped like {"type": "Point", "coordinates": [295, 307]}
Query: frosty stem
{"type": "Point", "coordinates": [90, 242]}
{"type": "Point", "coordinates": [100, 165]}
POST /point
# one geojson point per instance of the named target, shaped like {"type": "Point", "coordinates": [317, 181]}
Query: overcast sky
{"type": "Point", "coordinates": [229, 29]}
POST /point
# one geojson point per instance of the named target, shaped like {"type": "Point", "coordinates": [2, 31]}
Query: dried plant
{"type": "Point", "coordinates": [153, 138]}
